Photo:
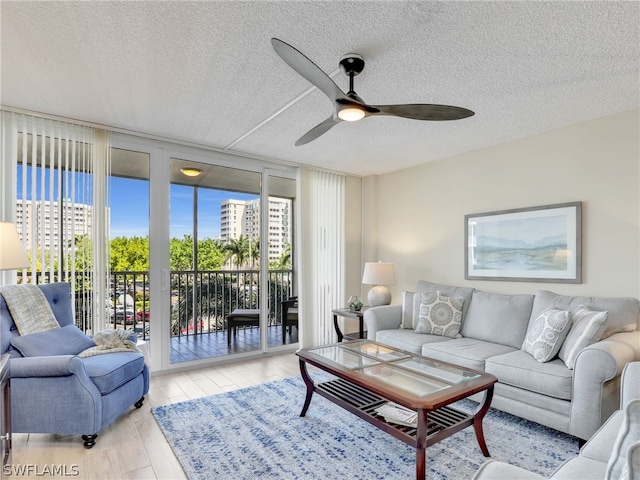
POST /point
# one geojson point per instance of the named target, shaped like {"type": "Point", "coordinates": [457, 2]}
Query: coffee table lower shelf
{"type": "Point", "coordinates": [354, 387]}
{"type": "Point", "coordinates": [441, 423]}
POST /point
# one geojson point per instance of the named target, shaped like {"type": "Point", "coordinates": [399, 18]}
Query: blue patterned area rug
{"type": "Point", "coordinates": [257, 432]}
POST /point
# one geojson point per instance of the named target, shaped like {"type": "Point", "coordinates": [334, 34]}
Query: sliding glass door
{"type": "Point", "coordinates": [214, 258]}
{"type": "Point", "coordinates": [129, 295]}
{"type": "Point", "coordinates": [220, 246]}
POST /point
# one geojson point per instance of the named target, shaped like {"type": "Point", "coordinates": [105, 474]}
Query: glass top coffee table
{"type": "Point", "coordinates": [370, 375]}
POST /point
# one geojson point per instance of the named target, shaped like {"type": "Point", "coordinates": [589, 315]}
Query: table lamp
{"type": "Point", "coordinates": [379, 274]}
{"type": "Point", "coordinates": [12, 254]}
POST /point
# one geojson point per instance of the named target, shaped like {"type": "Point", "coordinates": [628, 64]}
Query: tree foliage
{"type": "Point", "coordinates": [131, 254]}
{"type": "Point", "coordinates": [211, 254]}
{"type": "Point", "coordinates": [284, 262]}
{"type": "Point", "coordinates": [238, 250]}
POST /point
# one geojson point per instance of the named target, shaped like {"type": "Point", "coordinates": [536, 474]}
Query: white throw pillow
{"type": "Point", "coordinates": [546, 334]}
{"type": "Point", "coordinates": [440, 315]}
{"type": "Point", "coordinates": [410, 309]}
{"type": "Point", "coordinates": [587, 326]}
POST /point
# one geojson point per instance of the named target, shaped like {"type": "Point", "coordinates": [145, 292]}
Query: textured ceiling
{"type": "Point", "coordinates": [205, 72]}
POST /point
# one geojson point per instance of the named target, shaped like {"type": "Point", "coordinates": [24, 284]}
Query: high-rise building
{"type": "Point", "coordinates": [242, 217]}
{"type": "Point", "coordinates": [52, 222]}
{"type": "Point", "coordinates": [231, 219]}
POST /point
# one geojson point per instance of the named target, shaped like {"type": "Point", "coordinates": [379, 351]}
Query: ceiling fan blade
{"type": "Point", "coordinates": [316, 131]}
{"type": "Point", "coordinates": [306, 68]}
{"type": "Point", "coordinates": [422, 111]}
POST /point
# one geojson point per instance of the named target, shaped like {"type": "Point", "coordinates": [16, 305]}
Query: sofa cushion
{"type": "Point", "coordinates": [112, 370]}
{"type": "Point", "coordinates": [546, 334]}
{"type": "Point", "coordinates": [519, 369]}
{"type": "Point", "coordinates": [580, 468]}
{"type": "Point", "coordinates": [449, 291]}
{"type": "Point", "coordinates": [625, 457]}
{"type": "Point", "coordinates": [622, 313]}
{"type": "Point", "coordinates": [498, 318]}
{"type": "Point", "coordinates": [466, 352]}
{"type": "Point", "coordinates": [407, 340]}
{"type": "Point", "coordinates": [587, 327]}
{"type": "Point", "coordinates": [68, 340]}
{"type": "Point", "coordinates": [439, 314]}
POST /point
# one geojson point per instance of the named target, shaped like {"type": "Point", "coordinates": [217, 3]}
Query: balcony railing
{"type": "Point", "coordinates": [200, 301]}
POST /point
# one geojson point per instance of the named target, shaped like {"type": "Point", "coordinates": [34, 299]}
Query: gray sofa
{"type": "Point", "coordinates": [573, 400]}
{"type": "Point", "coordinates": [612, 453]}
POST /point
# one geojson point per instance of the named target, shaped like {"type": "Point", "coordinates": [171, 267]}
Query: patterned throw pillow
{"type": "Point", "coordinates": [546, 334]}
{"type": "Point", "coordinates": [440, 315]}
{"type": "Point", "coordinates": [587, 327]}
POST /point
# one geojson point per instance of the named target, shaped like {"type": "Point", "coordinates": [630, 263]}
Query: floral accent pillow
{"type": "Point", "coordinates": [440, 315]}
{"type": "Point", "coordinates": [546, 334]}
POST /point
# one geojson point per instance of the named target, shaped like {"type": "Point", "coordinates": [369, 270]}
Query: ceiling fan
{"type": "Point", "coordinates": [349, 106]}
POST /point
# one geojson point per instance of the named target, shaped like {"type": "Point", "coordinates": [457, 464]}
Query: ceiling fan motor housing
{"type": "Point", "coordinates": [352, 64]}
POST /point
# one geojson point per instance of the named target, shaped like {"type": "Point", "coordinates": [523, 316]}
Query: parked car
{"type": "Point", "coordinates": [126, 317]}
{"type": "Point", "coordinates": [140, 315]}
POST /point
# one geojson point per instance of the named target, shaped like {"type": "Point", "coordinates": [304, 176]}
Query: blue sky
{"type": "Point", "coordinates": [130, 207]}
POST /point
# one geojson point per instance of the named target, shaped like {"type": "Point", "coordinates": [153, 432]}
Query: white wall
{"type": "Point", "coordinates": [353, 240]}
{"type": "Point", "coordinates": [417, 214]}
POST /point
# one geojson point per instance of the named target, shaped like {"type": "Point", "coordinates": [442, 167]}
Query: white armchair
{"type": "Point", "coordinates": [613, 453]}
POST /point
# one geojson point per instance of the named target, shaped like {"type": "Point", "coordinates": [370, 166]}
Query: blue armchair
{"type": "Point", "coordinates": [64, 393]}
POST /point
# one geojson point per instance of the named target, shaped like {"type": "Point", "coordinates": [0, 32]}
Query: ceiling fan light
{"type": "Point", "coordinates": [351, 114]}
{"type": "Point", "coordinates": [191, 172]}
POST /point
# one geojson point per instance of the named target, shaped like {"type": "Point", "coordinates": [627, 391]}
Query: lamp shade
{"type": "Point", "coordinates": [12, 254]}
{"type": "Point", "coordinates": [379, 273]}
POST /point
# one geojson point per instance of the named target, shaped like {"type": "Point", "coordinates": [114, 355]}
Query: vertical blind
{"type": "Point", "coordinates": [325, 266]}
{"type": "Point", "coordinates": [60, 199]}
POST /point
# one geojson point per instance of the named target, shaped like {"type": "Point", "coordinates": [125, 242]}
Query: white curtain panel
{"type": "Point", "coordinates": [55, 183]}
{"type": "Point", "coordinates": [321, 239]}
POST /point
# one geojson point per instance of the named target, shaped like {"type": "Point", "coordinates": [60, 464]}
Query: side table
{"type": "Point", "coordinates": [345, 312]}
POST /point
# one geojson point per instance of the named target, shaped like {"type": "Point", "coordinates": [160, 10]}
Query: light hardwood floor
{"type": "Point", "coordinates": [134, 447]}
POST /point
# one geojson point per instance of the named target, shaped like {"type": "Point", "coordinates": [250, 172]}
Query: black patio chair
{"type": "Point", "coordinates": [289, 315]}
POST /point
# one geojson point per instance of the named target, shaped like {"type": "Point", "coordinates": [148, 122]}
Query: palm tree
{"type": "Point", "coordinates": [237, 250]}
{"type": "Point", "coordinates": [284, 262]}
{"type": "Point", "coordinates": [254, 251]}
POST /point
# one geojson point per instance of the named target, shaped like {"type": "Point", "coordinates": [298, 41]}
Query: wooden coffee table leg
{"type": "Point", "coordinates": [421, 445]}
{"type": "Point", "coordinates": [310, 386]}
{"type": "Point", "coordinates": [477, 420]}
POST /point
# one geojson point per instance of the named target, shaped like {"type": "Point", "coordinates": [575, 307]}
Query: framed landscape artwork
{"type": "Point", "coordinates": [538, 244]}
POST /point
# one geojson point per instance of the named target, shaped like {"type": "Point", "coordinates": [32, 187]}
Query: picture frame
{"type": "Point", "coordinates": [536, 244]}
